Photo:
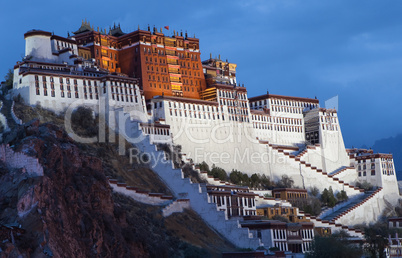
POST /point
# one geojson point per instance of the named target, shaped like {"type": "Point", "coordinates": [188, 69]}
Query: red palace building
{"type": "Point", "coordinates": [169, 66]}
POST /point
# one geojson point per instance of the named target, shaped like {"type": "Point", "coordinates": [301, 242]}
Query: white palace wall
{"type": "Point", "coordinates": [233, 145]}
{"type": "Point", "coordinates": [58, 91]}
{"type": "Point", "coordinates": [39, 47]}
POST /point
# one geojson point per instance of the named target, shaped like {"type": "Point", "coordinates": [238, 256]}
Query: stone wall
{"type": "Point", "coordinates": [16, 119]}
{"type": "Point", "coordinates": [369, 210]}
{"type": "Point", "coordinates": [177, 206]}
{"type": "Point", "coordinates": [140, 195]}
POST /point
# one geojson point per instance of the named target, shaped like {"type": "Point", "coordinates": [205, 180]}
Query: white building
{"type": "Point", "coordinates": [268, 134]}
{"type": "Point", "coordinates": [55, 77]}
{"type": "Point", "coordinates": [294, 237]}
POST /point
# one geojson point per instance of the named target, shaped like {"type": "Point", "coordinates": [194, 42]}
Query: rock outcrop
{"type": "Point", "coordinates": [70, 210]}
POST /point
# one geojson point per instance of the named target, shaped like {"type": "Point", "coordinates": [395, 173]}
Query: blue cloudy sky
{"type": "Point", "coordinates": [349, 49]}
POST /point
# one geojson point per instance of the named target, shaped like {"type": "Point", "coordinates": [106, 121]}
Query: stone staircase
{"type": "Point", "coordinates": [196, 193]}
{"type": "Point", "coordinates": [140, 195]}
{"type": "Point", "coordinates": [352, 207]}
{"type": "Point", "coordinates": [8, 112]}
{"type": "Point", "coordinates": [332, 213]}
{"type": "Point", "coordinates": [339, 171]}
{"type": "Point", "coordinates": [350, 189]}
{"type": "Point", "coordinates": [304, 151]}
{"type": "Point", "coordinates": [353, 232]}
{"type": "Point", "coordinates": [361, 207]}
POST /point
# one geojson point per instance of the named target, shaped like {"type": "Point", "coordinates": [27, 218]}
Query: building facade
{"type": "Point", "coordinates": [235, 201]}
{"type": "Point", "coordinates": [199, 106]}
{"type": "Point", "coordinates": [297, 197]}
{"type": "Point", "coordinates": [165, 65]}
{"type": "Point", "coordinates": [294, 237]}
{"type": "Point", "coordinates": [290, 213]}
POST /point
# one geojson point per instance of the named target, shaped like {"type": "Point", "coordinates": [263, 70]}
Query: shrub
{"type": "Point", "coordinates": [235, 177]}
{"type": "Point", "coordinates": [342, 196]}
{"type": "Point", "coordinates": [189, 172]}
{"type": "Point", "coordinates": [173, 154]}
{"type": "Point", "coordinates": [365, 185]}
{"type": "Point", "coordinates": [312, 206]}
{"type": "Point", "coordinates": [333, 246]}
{"type": "Point", "coordinates": [328, 198]}
{"type": "Point", "coordinates": [285, 182]}
{"type": "Point", "coordinates": [218, 172]}
{"type": "Point", "coordinates": [204, 167]}
{"type": "Point", "coordinates": [83, 122]}
{"type": "Point", "coordinates": [314, 191]}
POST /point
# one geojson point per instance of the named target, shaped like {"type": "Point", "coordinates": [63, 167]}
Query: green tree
{"type": "Point", "coordinates": [235, 177]}
{"type": "Point", "coordinates": [9, 80]}
{"type": "Point", "coordinates": [328, 198]}
{"type": "Point", "coordinates": [266, 182]}
{"type": "Point", "coordinates": [332, 200]}
{"type": "Point", "coordinates": [325, 196]}
{"type": "Point", "coordinates": [334, 246]}
{"type": "Point", "coordinates": [342, 196]}
{"type": "Point", "coordinates": [218, 172]}
{"type": "Point", "coordinates": [83, 122]}
{"type": "Point", "coordinates": [285, 182]}
{"type": "Point", "coordinates": [312, 206]}
{"type": "Point", "coordinates": [365, 185]}
{"type": "Point", "coordinates": [254, 180]}
{"type": "Point", "coordinates": [314, 191]}
{"type": "Point", "coordinates": [204, 167]}
{"type": "Point", "coordinates": [376, 239]}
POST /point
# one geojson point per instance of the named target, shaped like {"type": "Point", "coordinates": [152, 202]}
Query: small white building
{"type": "Point", "coordinates": [294, 237]}
{"type": "Point", "coordinates": [235, 201]}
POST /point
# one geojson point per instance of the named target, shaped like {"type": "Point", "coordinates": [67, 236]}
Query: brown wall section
{"type": "Point", "coordinates": [143, 54]}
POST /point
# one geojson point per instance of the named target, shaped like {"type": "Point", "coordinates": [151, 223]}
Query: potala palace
{"type": "Point", "coordinates": [154, 88]}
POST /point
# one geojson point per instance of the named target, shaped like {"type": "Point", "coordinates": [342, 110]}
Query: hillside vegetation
{"type": "Point", "coordinates": [77, 213]}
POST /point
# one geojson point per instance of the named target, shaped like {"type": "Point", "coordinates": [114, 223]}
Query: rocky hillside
{"type": "Point", "coordinates": [70, 210]}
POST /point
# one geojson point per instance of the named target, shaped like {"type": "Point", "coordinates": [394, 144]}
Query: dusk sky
{"type": "Point", "coordinates": [349, 49]}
